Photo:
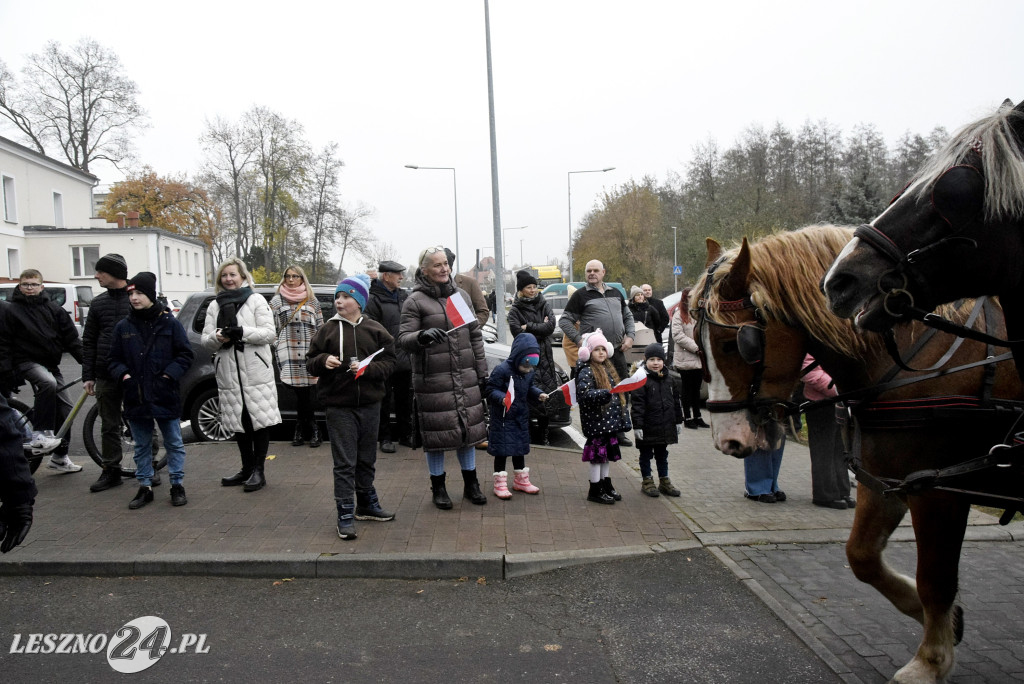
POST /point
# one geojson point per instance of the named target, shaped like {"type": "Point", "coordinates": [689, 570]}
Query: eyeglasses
{"type": "Point", "coordinates": [431, 251]}
{"type": "Point", "coordinates": [290, 276]}
{"type": "Point", "coordinates": [30, 286]}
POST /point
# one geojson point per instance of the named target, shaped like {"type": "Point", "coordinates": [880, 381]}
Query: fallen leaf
{"type": "Point", "coordinates": [271, 457]}
{"type": "Point", "coordinates": [481, 580]}
{"type": "Point", "coordinates": [552, 647]}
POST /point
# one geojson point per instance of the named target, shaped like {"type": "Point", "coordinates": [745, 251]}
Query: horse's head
{"type": "Point", "coordinates": [751, 359]}
{"type": "Point", "coordinates": [953, 232]}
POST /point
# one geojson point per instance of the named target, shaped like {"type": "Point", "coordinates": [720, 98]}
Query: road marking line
{"type": "Point", "coordinates": [580, 440]}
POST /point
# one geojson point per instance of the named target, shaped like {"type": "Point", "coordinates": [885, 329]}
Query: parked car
{"type": "Point", "coordinates": [557, 303]}
{"type": "Point", "coordinates": [75, 299]}
{"type": "Point", "coordinates": [201, 406]}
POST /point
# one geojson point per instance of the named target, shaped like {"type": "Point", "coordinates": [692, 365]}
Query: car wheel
{"type": "Point", "coordinates": [205, 417]}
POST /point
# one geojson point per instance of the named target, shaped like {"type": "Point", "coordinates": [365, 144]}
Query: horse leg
{"type": "Point", "coordinates": [874, 521]}
{"type": "Point", "coordinates": [940, 521]}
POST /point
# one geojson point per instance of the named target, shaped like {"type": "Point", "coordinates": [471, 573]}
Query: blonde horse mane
{"type": "Point", "coordinates": [1002, 161]}
{"type": "Point", "coordinates": [785, 271]}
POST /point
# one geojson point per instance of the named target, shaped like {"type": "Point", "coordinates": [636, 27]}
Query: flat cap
{"type": "Point", "coordinates": [390, 267]}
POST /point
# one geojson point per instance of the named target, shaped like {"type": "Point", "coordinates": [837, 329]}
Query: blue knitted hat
{"type": "Point", "coordinates": [357, 287]}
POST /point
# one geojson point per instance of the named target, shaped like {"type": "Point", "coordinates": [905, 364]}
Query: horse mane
{"type": "Point", "coordinates": [1002, 161]}
{"type": "Point", "coordinates": [785, 272]}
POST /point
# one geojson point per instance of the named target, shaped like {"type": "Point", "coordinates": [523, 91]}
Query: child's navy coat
{"type": "Point", "coordinates": [509, 433]}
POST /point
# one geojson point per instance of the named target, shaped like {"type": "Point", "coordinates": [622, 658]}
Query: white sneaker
{"type": "Point", "coordinates": [63, 466]}
{"type": "Point", "coordinates": [42, 444]}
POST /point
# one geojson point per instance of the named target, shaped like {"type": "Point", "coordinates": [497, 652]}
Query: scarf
{"type": "Point", "coordinates": [229, 301]}
{"type": "Point", "coordinates": [435, 290]}
{"type": "Point", "coordinates": [149, 314]}
{"type": "Point", "coordinates": [294, 295]}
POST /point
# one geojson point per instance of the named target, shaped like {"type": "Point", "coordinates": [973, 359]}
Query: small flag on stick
{"type": "Point", "coordinates": [568, 391]}
{"type": "Point", "coordinates": [458, 311]}
{"type": "Point", "coordinates": [510, 395]}
{"type": "Point", "coordinates": [634, 381]}
{"type": "Point", "coordinates": [366, 362]}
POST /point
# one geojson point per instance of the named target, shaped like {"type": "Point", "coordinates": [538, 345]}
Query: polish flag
{"type": "Point", "coordinates": [634, 381]}
{"type": "Point", "coordinates": [458, 311]}
{"type": "Point", "coordinates": [366, 362]}
{"type": "Point", "coordinates": [510, 394]}
{"type": "Point", "coordinates": [568, 391]}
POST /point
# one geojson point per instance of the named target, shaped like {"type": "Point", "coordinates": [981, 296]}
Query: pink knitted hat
{"type": "Point", "coordinates": [593, 340]}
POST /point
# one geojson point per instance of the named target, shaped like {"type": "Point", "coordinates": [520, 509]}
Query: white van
{"type": "Point", "coordinates": [74, 298]}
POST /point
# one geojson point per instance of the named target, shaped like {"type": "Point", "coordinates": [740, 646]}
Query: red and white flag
{"type": "Point", "coordinates": [634, 381]}
{"type": "Point", "coordinates": [458, 311]}
{"type": "Point", "coordinates": [366, 362]}
{"type": "Point", "coordinates": [510, 395]}
{"type": "Point", "coordinates": [568, 391]}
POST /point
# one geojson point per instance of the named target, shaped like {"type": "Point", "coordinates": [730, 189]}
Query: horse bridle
{"type": "Point", "coordinates": [750, 343]}
{"type": "Point", "coordinates": [897, 300]}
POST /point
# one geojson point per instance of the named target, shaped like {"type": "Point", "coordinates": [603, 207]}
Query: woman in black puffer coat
{"type": "Point", "coordinates": [531, 313]}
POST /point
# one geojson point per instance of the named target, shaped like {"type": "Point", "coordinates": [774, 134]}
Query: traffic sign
{"type": "Point", "coordinates": [677, 270]}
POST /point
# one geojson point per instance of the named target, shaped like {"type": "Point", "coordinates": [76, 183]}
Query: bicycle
{"type": "Point", "coordinates": [90, 435]}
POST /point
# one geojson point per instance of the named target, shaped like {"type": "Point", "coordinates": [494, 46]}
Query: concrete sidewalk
{"type": "Point", "coordinates": [288, 528]}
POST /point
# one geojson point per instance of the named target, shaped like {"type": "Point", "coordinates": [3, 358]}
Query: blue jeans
{"type": "Point", "coordinates": [467, 459]}
{"type": "Point", "coordinates": [761, 470]}
{"type": "Point", "coordinates": [142, 433]}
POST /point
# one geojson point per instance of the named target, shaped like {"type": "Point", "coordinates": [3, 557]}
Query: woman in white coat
{"type": "Point", "coordinates": [239, 330]}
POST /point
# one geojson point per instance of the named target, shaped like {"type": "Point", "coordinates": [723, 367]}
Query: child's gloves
{"type": "Point", "coordinates": [679, 429]}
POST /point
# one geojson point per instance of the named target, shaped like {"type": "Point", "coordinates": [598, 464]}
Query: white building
{"type": "Point", "coordinates": [47, 225]}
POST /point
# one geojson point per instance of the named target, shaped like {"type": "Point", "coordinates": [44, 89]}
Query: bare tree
{"type": "Point", "coordinates": [78, 100]}
{"type": "Point", "coordinates": [228, 153]}
{"type": "Point", "coordinates": [321, 210]}
{"type": "Point", "coordinates": [352, 233]}
{"type": "Point", "coordinates": [377, 251]}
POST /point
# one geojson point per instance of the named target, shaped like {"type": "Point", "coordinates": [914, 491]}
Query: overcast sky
{"type": "Point", "coordinates": [578, 85]}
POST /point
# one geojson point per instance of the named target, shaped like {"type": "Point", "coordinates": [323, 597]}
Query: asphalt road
{"type": "Point", "coordinates": [673, 617]}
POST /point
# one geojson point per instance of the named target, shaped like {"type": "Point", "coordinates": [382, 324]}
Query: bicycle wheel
{"type": "Point", "coordinates": [25, 420]}
{"type": "Point", "coordinates": [93, 439]}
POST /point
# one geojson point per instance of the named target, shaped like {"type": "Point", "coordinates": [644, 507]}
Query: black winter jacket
{"type": "Point", "coordinates": [106, 310]}
{"type": "Point", "coordinates": [36, 330]}
{"type": "Point", "coordinates": [532, 314]}
{"type": "Point", "coordinates": [656, 410]}
{"type": "Point", "coordinates": [155, 352]}
{"type": "Point", "coordinates": [16, 483]}
{"type": "Point", "coordinates": [338, 386]}
{"type": "Point", "coordinates": [385, 307]}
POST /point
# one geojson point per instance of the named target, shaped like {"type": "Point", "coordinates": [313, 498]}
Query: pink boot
{"type": "Point", "coordinates": [501, 485]}
{"type": "Point", "coordinates": [522, 482]}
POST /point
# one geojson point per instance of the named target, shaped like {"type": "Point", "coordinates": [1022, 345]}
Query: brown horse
{"type": "Point", "coordinates": [759, 313]}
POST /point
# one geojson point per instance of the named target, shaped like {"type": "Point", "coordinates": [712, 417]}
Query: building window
{"type": "Point", "coordinates": [167, 260]}
{"type": "Point", "coordinates": [179, 262]}
{"type": "Point", "coordinates": [83, 260]}
{"type": "Point", "coordinates": [10, 200]}
{"type": "Point", "coordinates": [187, 272]}
{"type": "Point", "coordinates": [58, 210]}
{"type": "Point", "coordinates": [13, 263]}
{"type": "Point", "coordinates": [196, 255]}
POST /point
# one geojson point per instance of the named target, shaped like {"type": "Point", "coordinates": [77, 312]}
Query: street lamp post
{"type": "Point", "coordinates": [675, 260]}
{"type": "Point", "coordinates": [455, 195]}
{"type": "Point", "coordinates": [569, 183]}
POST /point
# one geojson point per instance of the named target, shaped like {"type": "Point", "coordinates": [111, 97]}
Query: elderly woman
{"type": "Point", "coordinates": [449, 371]}
{"type": "Point", "coordinates": [239, 330]}
{"type": "Point", "coordinates": [297, 315]}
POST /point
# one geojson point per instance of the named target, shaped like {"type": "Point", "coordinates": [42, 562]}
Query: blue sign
{"type": "Point", "coordinates": [677, 270]}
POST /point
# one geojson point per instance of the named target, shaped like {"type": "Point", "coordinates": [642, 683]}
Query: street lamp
{"type": "Point", "coordinates": [520, 244]}
{"type": "Point", "coordinates": [455, 195]}
{"type": "Point", "coordinates": [569, 182]}
{"type": "Point", "coordinates": [675, 260]}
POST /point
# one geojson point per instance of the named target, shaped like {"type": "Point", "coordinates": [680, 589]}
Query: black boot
{"type": "Point", "coordinates": [256, 480]}
{"type": "Point", "coordinates": [241, 476]}
{"type": "Point", "coordinates": [110, 477]}
{"type": "Point", "coordinates": [314, 437]}
{"type": "Point", "coordinates": [472, 488]}
{"type": "Point", "coordinates": [297, 439]}
{"type": "Point", "coordinates": [598, 495]}
{"type": "Point", "coordinates": [610, 490]}
{"type": "Point", "coordinates": [368, 507]}
{"type": "Point", "coordinates": [441, 499]}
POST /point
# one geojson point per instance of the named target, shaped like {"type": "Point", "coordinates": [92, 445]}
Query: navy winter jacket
{"type": "Point", "coordinates": [156, 353]}
{"type": "Point", "coordinates": [509, 433]}
{"type": "Point", "coordinates": [656, 410]}
{"type": "Point", "coordinates": [601, 412]}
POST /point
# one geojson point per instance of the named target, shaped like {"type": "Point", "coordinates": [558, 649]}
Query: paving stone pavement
{"type": "Point", "coordinates": [790, 555]}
